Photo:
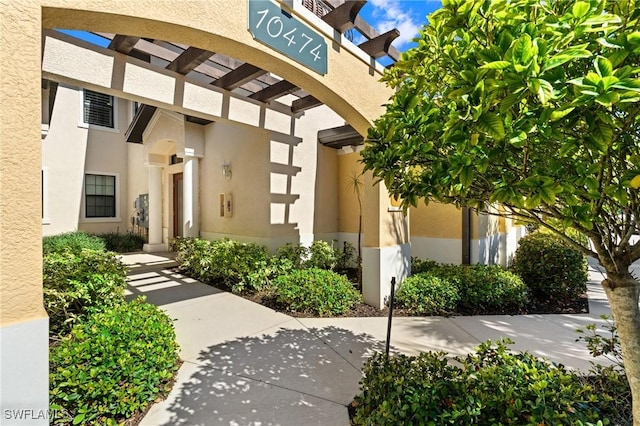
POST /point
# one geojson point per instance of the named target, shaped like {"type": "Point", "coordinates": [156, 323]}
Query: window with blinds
{"type": "Point", "coordinates": [100, 195]}
{"type": "Point", "coordinates": [98, 109]}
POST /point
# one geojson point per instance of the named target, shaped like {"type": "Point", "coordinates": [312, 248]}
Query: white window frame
{"type": "Point", "coordinates": [85, 125]}
{"type": "Point", "coordinates": [83, 207]}
{"type": "Point", "coordinates": [46, 220]}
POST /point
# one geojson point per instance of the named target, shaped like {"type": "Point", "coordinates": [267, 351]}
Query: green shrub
{"type": "Point", "coordinates": [71, 241]}
{"type": "Point", "coordinates": [321, 256]}
{"type": "Point", "coordinates": [295, 253]}
{"type": "Point", "coordinates": [76, 284]}
{"type": "Point", "coordinates": [550, 269]}
{"type": "Point", "coordinates": [425, 294]}
{"type": "Point", "coordinates": [422, 265]}
{"type": "Point", "coordinates": [316, 291]}
{"type": "Point", "coordinates": [491, 386]}
{"type": "Point", "coordinates": [122, 243]}
{"type": "Point", "coordinates": [485, 288]}
{"type": "Point", "coordinates": [238, 266]}
{"type": "Point", "coordinates": [113, 365]}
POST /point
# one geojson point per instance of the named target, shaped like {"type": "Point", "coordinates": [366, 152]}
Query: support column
{"type": "Point", "coordinates": [386, 252]}
{"type": "Point", "coordinates": [155, 211]}
{"type": "Point", "coordinates": [24, 325]}
{"type": "Point", "coordinates": [191, 197]}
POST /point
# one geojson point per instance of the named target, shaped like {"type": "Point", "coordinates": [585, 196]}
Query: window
{"type": "Point", "coordinates": [98, 109]}
{"type": "Point", "coordinates": [100, 196]}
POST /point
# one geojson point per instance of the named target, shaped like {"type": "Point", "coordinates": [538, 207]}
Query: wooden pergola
{"type": "Point", "coordinates": [246, 79]}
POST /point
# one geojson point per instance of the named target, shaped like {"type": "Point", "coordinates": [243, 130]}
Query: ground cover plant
{"type": "Point", "coordinates": [108, 359]}
{"type": "Point", "coordinates": [488, 387]}
{"type": "Point", "coordinates": [78, 283]}
{"type": "Point", "coordinates": [113, 365]}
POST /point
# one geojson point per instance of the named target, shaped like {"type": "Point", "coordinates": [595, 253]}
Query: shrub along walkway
{"type": "Point", "coordinates": [247, 364]}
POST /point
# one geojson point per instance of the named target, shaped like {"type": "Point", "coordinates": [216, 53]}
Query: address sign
{"type": "Point", "coordinates": [274, 27]}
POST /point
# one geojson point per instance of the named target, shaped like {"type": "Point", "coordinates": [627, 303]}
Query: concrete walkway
{"type": "Point", "coordinates": [245, 364]}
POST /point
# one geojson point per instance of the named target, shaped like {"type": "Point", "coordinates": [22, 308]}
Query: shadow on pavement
{"type": "Point", "coordinates": [291, 377]}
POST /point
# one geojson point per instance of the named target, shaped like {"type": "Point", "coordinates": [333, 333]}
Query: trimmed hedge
{"type": "Point", "coordinates": [79, 283]}
{"type": "Point", "coordinates": [550, 268]}
{"type": "Point", "coordinates": [426, 294]}
{"type": "Point", "coordinates": [74, 242]}
{"type": "Point", "coordinates": [113, 365]}
{"type": "Point", "coordinates": [491, 386]}
{"type": "Point", "coordinates": [481, 288]}
{"type": "Point", "coordinates": [316, 291]}
{"type": "Point", "coordinates": [238, 266]}
{"type": "Point", "coordinates": [122, 243]}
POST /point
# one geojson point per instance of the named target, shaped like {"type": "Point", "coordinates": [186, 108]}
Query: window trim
{"type": "Point", "coordinates": [85, 125]}
{"type": "Point", "coordinates": [83, 206]}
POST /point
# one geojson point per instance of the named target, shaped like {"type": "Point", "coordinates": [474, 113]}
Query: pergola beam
{"type": "Point", "coordinates": [344, 16]}
{"type": "Point", "coordinates": [379, 46]}
{"type": "Point", "coordinates": [274, 91]}
{"type": "Point", "coordinates": [304, 104]}
{"type": "Point", "coordinates": [337, 137]}
{"type": "Point", "coordinates": [123, 44]}
{"type": "Point", "coordinates": [188, 60]}
{"type": "Point", "coordinates": [239, 76]}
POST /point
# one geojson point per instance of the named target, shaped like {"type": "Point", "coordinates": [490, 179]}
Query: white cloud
{"type": "Point", "coordinates": [389, 14]}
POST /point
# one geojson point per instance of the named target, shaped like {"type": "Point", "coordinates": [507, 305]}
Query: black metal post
{"type": "Point", "coordinates": [391, 299]}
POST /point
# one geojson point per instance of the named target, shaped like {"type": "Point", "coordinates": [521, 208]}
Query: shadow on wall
{"type": "Point", "coordinates": [282, 173]}
{"type": "Point", "coordinates": [295, 376]}
{"type": "Point", "coordinates": [488, 240]}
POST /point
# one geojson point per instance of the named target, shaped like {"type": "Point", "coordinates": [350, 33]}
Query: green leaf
{"type": "Point", "coordinates": [466, 175]}
{"type": "Point", "coordinates": [607, 99]}
{"type": "Point", "coordinates": [518, 139]}
{"type": "Point", "coordinates": [491, 124]}
{"type": "Point", "coordinates": [542, 88]}
{"type": "Point", "coordinates": [78, 419]}
{"type": "Point", "coordinates": [496, 65]}
{"type": "Point", "coordinates": [632, 84]}
{"type": "Point", "coordinates": [598, 21]}
{"type": "Point", "coordinates": [560, 113]}
{"type": "Point", "coordinates": [602, 133]}
{"type": "Point", "coordinates": [603, 66]}
{"type": "Point", "coordinates": [579, 9]}
{"type": "Point", "coordinates": [523, 49]}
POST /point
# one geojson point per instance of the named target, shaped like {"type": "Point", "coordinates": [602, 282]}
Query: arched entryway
{"type": "Point", "coordinates": [350, 87]}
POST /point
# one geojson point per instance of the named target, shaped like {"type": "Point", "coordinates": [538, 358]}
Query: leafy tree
{"type": "Point", "coordinates": [533, 105]}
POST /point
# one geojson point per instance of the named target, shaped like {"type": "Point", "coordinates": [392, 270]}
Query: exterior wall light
{"type": "Point", "coordinates": [226, 170]}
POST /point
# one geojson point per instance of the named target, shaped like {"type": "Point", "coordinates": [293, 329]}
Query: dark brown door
{"type": "Point", "coordinates": [177, 205]}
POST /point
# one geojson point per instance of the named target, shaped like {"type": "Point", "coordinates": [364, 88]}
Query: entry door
{"type": "Point", "coordinates": [177, 205]}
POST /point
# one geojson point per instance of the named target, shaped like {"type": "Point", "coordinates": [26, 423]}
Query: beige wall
{"type": "Point", "coordinates": [247, 151]}
{"type": "Point", "coordinates": [71, 149]}
{"type": "Point", "coordinates": [436, 221]}
{"type": "Point", "coordinates": [348, 167]}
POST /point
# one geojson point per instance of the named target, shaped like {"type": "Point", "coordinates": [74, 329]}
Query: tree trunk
{"type": "Point", "coordinates": [623, 293]}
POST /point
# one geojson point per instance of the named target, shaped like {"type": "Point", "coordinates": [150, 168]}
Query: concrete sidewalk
{"type": "Point", "coordinates": [247, 364]}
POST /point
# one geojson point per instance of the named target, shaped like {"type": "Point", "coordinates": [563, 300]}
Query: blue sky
{"type": "Point", "coordinates": [405, 15]}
